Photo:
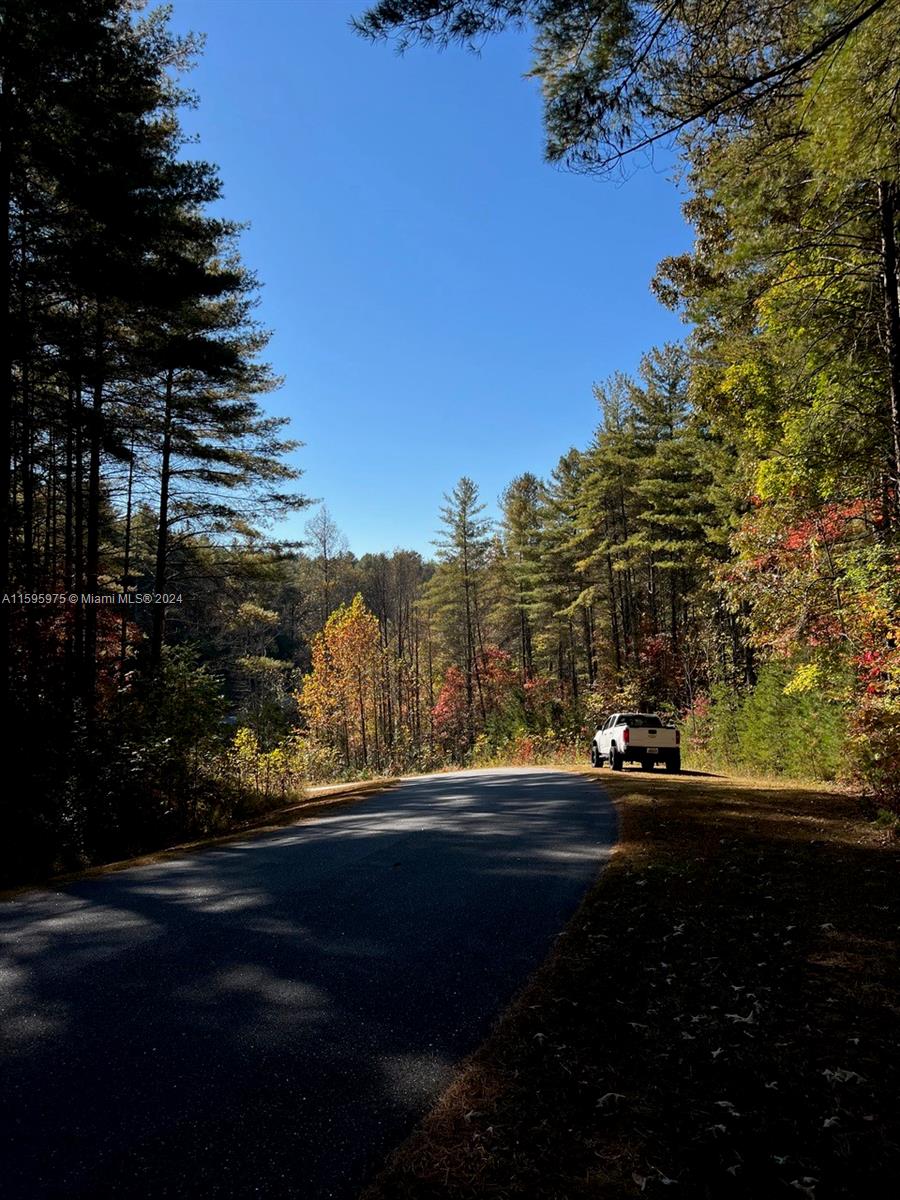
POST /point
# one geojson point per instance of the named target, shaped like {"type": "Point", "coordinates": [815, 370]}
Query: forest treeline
{"type": "Point", "coordinates": [137, 460]}
{"type": "Point", "coordinates": [722, 547]}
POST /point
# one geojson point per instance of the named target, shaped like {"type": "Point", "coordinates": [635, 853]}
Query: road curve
{"type": "Point", "coordinates": [270, 1016]}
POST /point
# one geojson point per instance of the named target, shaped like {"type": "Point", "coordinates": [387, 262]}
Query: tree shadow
{"type": "Point", "coordinates": [272, 1014]}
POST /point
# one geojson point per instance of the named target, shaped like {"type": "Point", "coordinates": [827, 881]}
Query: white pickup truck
{"type": "Point", "coordinates": [636, 737]}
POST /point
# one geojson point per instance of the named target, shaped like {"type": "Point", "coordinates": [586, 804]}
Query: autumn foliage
{"type": "Point", "coordinates": [340, 696]}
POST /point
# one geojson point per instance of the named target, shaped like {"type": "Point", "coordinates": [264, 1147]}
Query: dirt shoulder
{"type": "Point", "coordinates": [719, 1019]}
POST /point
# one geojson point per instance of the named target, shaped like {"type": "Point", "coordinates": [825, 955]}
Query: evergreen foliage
{"type": "Point", "coordinates": [136, 459]}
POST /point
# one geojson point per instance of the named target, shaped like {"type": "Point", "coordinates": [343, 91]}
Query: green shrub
{"type": "Point", "coordinates": [875, 746]}
{"type": "Point", "coordinates": [790, 723]}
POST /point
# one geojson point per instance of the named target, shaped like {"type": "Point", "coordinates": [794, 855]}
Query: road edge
{"type": "Point", "coordinates": [314, 806]}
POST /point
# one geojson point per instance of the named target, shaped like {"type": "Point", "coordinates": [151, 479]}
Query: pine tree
{"type": "Point", "coordinates": [131, 431]}
{"type": "Point", "coordinates": [521, 507]}
{"type": "Point", "coordinates": [456, 589]}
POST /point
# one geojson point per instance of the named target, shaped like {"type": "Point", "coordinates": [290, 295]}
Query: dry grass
{"type": "Point", "coordinates": [719, 1019]}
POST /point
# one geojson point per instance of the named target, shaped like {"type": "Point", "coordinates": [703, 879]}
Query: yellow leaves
{"type": "Point", "coordinates": [247, 754]}
{"type": "Point", "coordinates": [351, 638]}
{"type": "Point", "coordinates": [246, 745]}
{"type": "Point", "coordinates": [806, 678]}
{"type": "Point", "coordinates": [745, 380]}
{"type": "Point", "coordinates": [751, 389]}
{"type": "Point", "coordinates": [268, 773]}
{"type": "Point", "coordinates": [773, 479]}
{"type": "Point", "coordinates": [339, 694]}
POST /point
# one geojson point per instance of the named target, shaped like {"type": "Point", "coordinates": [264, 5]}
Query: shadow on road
{"type": "Point", "coordinates": [269, 1016]}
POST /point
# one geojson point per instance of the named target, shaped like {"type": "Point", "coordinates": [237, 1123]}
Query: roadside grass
{"type": "Point", "coordinates": [719, 1019]}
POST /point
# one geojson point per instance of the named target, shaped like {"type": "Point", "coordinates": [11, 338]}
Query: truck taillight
{"type": "Point", "coordinates": [677, 737]}
{"type": "Point", "coordinates": [625, 735]}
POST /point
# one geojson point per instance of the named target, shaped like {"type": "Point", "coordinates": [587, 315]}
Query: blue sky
{"type": "Point", "coordinates": [442, 299]}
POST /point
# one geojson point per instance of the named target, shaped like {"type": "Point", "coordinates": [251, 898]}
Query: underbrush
{"type": "Point", "coordinates": [157, 765]}
{"type": "Point", "coordinates": [522, 749]}
{"type": "Point", "coordinates": [772, 730]}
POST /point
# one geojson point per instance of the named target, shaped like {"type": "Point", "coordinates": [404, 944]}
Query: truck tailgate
{"type": "Point", "coordinates": [640, 739]}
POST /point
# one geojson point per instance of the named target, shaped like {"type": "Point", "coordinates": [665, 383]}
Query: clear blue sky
{"type": "Point", "coordinates": [442, 299]}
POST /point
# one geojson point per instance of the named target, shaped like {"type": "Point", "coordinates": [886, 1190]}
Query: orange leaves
{"type": "Point", "coordinates": [499, 676]}
{"type": "Point", "coordinates": [462, 701]}
{"type": "Point", "coordinates": [338, 697]}
{"type": "Point", "coordinates": [452, 711]}
{"type": "Point", "coordinates": [805, 574]}
{"type": "Point", "coordinates": [776, 544]}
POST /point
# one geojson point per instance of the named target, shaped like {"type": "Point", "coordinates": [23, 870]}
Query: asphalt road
{"type": "Point", "coordinates": [270, 1017]}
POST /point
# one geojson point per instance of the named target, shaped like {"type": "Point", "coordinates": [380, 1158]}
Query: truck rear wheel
{"type": "Point", "coordinates": [615, 759]}
{"type": "Point", "coordinates": [674, 763]}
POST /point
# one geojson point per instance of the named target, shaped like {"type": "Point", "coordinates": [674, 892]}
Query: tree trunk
{"type": "Point", "coordinates": [6, 365]}
{"type": "Point", "coordinates": [126, 567]}
{"type": "Point", "coordinates": [613, 613]}
{"type": "Point", "coordinates": [78, 544]}
{"type": "Point", "coordinates": [69, 510]}
{"type": "Point", "coordinates": [27, 467]}
{"type": "Point", "coordinates": [470, 654]}
{"type": "Point", "coordinates": [92, 551]}
{"type": "Point", "coordinates": [29, 533]}
{"type": "Point", "coordinates": [523, 635]}
{"type": "Point", "coordinates": [162, 535]}
{"type": "Point", "coordinates": [51, 574]}
{"type": "Point", "coordinates": [588, 620]}
{"type": "Point", "coordinates": [417, 689]}
{"type": "Point", "coordinates": [887, 211]}
{"type": "Point", "coordinates": [362, 719]}
{"type": "Point", "coordinates": [430, 660]}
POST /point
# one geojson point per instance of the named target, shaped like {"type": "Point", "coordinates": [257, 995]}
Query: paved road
{"type": "Point", "coordinates": [268, 1018]}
